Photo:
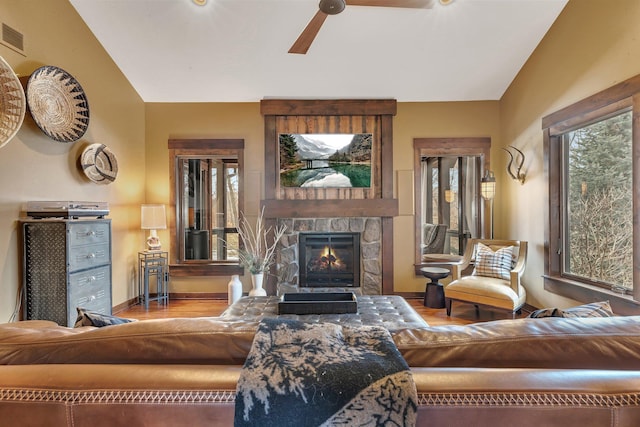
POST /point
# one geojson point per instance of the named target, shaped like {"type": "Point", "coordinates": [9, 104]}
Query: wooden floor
{"type": "Point", "coordinates": [462, 314]}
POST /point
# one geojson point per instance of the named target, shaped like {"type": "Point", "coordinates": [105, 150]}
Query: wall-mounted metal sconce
{"type": "Point", "coordinates": [488, 191]}
{"type": "Point", "coordinates": [519, 159]}
{"type": "Point", "coordinates": [488, 185]}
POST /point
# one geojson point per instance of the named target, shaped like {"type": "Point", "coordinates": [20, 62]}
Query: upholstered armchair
{"type": "Point", "coordinates": [434, 238]}
{"type": "Point", "coordinates": [496, 278]}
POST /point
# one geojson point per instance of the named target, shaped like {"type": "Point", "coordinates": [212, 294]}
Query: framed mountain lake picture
{"type": "Point", "coordinates": [335, 160]}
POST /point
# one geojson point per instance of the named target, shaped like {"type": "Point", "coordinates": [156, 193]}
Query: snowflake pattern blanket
{"type": "Point", "coordinates": [324, 374]}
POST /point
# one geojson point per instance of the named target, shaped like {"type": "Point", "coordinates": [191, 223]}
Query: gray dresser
{"type": "Point", "coordinates": [66, 264]}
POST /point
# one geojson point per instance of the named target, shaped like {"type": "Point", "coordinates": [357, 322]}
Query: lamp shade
{"type": "Point", "coordinates": [449, 196]}
{"type": "Point", "coordinates": [153, 217]}
{"type": "Point", "coordinates": [488, 186]}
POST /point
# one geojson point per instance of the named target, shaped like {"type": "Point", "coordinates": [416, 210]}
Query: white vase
{"type": "Point", "coordinates": [257, 290]}
{"type": "Point", "coordinates": [235, 289]}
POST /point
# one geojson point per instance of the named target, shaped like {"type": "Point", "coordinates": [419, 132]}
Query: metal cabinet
{"type": "Point", "coordinates": [66, 264]}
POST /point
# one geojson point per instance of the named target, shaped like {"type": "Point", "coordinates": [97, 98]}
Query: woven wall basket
{"type": "Point", "coordinates": [57, 104]}
{"type": "Point", "coordinates": [12, 103]}
{"type": "Point", "coordinates": [99, 164]}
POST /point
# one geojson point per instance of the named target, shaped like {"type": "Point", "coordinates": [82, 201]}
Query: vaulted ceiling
{"type": "Point", "coordinates": [237, 50]}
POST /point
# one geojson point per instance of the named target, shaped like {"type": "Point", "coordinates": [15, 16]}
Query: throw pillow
{"type": "Point", "coordinates": [546, 312]}
{"type": "Point", "coordinates": [493, 264]}
{"type": "Point", "coordinates": [93, 318]}
{"type": "Point", "coordinates": [594, 309]}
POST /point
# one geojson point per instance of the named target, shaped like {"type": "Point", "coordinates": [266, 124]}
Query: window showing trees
{"type": "Point", "coordinates": [598, 174]}
{"type": "Point", "coordinates": [592, 238]}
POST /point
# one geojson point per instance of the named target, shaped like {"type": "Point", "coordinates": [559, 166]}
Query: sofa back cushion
{"type": "Point", "coordinates": [553, 342]}
{"type": "Point", "coordinates": [205, 340]}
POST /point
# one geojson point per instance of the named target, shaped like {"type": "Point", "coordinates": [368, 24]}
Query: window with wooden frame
{"type": "Point", "coordinates": [207, 193]}
{"type": "Point", "coordinates": [592, 234]}
{"type": "Point", "coordinates": [447, 174]}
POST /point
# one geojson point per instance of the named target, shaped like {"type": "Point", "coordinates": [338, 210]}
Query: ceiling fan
{"type": "Point", "coordinates": [333, 7]}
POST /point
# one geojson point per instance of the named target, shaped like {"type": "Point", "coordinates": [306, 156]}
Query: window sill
{"type": "Point", "coordinates": [621, 304]}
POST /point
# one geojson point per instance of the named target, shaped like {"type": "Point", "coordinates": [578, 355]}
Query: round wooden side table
{"type": "Point", "coordinates": [434, 292]}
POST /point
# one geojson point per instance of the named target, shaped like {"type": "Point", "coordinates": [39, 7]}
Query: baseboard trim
{"type": "Point", "coordinates": [125, 305]}
{"type": "Point", "coordinates": [198, 295]}
{"type": "Point", "coordinates": [410, 295]}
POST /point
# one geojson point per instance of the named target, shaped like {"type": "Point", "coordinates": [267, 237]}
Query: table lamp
{"type": "Point", "coordinates": [153, 218]}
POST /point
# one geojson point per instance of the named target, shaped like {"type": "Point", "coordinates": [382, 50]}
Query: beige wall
{"type": "Point", "coordinates": [204, 120]}
{"type": "Point", "coordinates": [430, 120]}
{"type": "Point", "coordinates": [592, 46]}
{"type": "Point", "coordinates": [413, 120]}
{"type": "Point", "coordinates": [35, 167]}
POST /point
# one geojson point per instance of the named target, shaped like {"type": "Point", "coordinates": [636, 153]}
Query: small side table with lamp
{"type": "Point", "coordinates": [153, 264]}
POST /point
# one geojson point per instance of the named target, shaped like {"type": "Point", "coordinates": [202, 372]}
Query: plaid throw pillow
{"type": "Point", "coordinates": [594, 309]}
{"type": "Point", "coordinates": [493, 264]}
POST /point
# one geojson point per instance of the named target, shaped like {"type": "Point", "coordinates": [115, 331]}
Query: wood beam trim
{"type": "Point", "coordinates": [338, 107]}
{"type": "Point", "coordinates": [599, 100]}
{"type": "Point", "coordinates": [203, 144]}
{"type": "Point", "coordinates": [276, 208]}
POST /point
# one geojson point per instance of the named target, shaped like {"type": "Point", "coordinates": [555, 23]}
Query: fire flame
{"type": "Point", "coordinates": [327, 260]}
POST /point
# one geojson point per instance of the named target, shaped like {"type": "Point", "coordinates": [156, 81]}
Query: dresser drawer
{"type": "Point", "coordinates": [90, 289]}
{"type": "Point", "coordinates": [88, 233]}
{"type": "Point", "coordinates": [89, 256]}
{"type": "Point", "coordinates": [85, 281]}
{"type": "Point", "coordinates": [97, 301]}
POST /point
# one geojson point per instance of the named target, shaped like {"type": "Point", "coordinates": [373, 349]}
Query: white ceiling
{"type": "Point", "coordinates": [236, 50]}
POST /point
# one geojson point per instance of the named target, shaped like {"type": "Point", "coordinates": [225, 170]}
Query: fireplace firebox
{"type": "Point", "coordinates": [329, 259]}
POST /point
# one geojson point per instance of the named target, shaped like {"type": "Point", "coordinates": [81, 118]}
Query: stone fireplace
{"type": "Point", "coordinates": [306, 252]}
{"type": "Point", "coordinates": [367, 211]}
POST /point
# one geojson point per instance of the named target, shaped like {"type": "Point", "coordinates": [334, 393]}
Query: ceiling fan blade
{"type": "Point", "coordinates": [413, 4]}
{"type": "Point", "coordinates": [309, 33]}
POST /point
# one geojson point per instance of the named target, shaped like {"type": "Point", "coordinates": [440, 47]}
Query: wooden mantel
{"type": "Point", "coordinates": [330, 208]}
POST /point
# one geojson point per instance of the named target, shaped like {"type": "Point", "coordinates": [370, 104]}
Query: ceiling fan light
{"type": "Point", "coordinates": [332, 7]}
{"type": "Point", "coordinates": [200, 2]}
{"type": "Point", "coordinates": [446, 2]}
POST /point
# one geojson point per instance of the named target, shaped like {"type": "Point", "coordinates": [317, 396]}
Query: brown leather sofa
{"type": "Point", "coordinates": [183, 372]}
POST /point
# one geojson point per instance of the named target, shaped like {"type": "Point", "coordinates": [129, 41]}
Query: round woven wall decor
{"type": "Point", "coordinates": [99, 164]}
{"type": "Point", "coordinates": [57, 104]}
{"type": "Point", "coordinates": [12, 103]}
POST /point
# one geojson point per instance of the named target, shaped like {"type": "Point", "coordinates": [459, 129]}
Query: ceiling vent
{"type": "Point", "coordinates": [12, 38]}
